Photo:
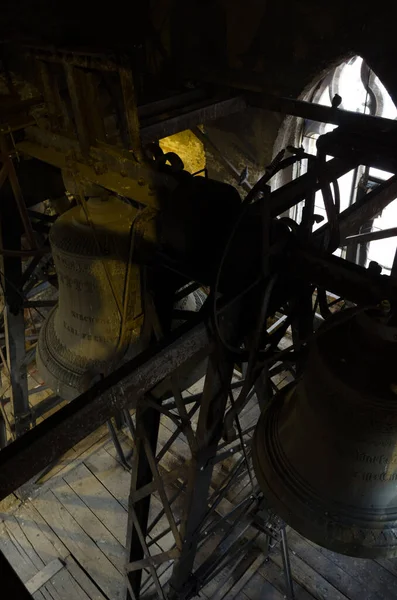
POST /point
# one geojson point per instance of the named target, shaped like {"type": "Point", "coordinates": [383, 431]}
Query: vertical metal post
{"type": "Point", "coordinates": [209, 431]}
{"type": "Point", "coordinates": [287, 565]}
{"type": "Point", "coordinates": [141, 475]}
{"type": "Point", "coordinates": [14, 322]}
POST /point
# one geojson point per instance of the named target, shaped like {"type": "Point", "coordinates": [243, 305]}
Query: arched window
{"type": "Point", "coordinates": [361, 91]}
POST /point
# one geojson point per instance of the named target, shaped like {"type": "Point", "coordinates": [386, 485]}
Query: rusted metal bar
{"type": "Point", "coordinates": [21, 460]}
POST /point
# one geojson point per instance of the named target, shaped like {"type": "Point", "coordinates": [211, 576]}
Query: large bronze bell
{"type": "Point", "coordinates": [83, 336]}
{"type": "Point", "coordinates": [325, 449]}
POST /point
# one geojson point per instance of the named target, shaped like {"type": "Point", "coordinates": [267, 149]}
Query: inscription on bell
{"type": "Point", "coordinates": [372, 459]}
{"type": "Point", "coordinates": [90, 318]}
{"type": "Point", "coordinates": [83, 334]}
{"type": "Point", "coordinates": [89, 336]}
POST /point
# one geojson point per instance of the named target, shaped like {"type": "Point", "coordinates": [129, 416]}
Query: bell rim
{"type": "Point", "coordinates": [349, 537]}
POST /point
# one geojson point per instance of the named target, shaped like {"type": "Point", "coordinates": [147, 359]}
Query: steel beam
{"type": "Point", "coordinates": [27, 456]}
{"type": "Point", "coordinates": [351, 219]}
{"type": "Point", "coordinates": [371, 148]}
{"type": "Point", "coordinates": [321, 113]}
{"type": "Point", "coordinates": [297, 190]}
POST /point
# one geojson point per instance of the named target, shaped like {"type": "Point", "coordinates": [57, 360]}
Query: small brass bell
{"type": "Point", "coordinates": [325, 449]}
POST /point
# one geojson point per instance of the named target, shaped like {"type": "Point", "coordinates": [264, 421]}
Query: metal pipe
{"type": "Point", "coordinates": [362, 238]}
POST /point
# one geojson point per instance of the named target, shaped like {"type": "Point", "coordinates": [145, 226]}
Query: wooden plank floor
{"type": "Point", "coordinates": [79, 517]}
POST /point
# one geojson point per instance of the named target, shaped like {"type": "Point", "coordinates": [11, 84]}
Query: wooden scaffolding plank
{"type": "Point", "coordinates": [308, 578]}
{"type": "Point", "coordinates": [43, 576]}
{"type": "Point", "coordinates": [111, 474]}
{"type": "Point", "coordinates": [87, 584]}
{"type": "Point", "coordinates": [66, 587]}
{"type": "Point", "coordinates": [87, 553]}
{"type": "Point", "coordinates": [45, 542]}
{"type": "Point", "coordinates": [341, 579]}
{"type": "Point", "coordinates": [240, 578]}
{"type": "Point", "coordinates": [76, 455]}
{"type": "Point", "coordinates": [21, 564]}
{"type": "Point", "coordinates": [272, 573]}
{"type": "Point", "coordinates": [258, 588]}
{"type": "Point", "coordinates": [371, 575]}
{"type": "Point", "coordinates": [99, 500]}
{"type": "Point", "coordinates": [92, 526]}
{"type": "Point", "coordinates": [18, 535]}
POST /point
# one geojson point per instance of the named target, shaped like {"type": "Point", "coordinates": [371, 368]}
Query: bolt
{"type": "Point", "coordinates": [201, 468]}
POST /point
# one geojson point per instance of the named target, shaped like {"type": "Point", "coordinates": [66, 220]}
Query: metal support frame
{"type": "Point", "coordinates": [173, 537]}
{"type": "Point", "coordinates": [209, 430]}
{"type": "Point", "coordinates": [40, 446]}
{"type": "Point", "coordinates": [138, 511]}
{"type": "Point", "coordinates": [14, 322]}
